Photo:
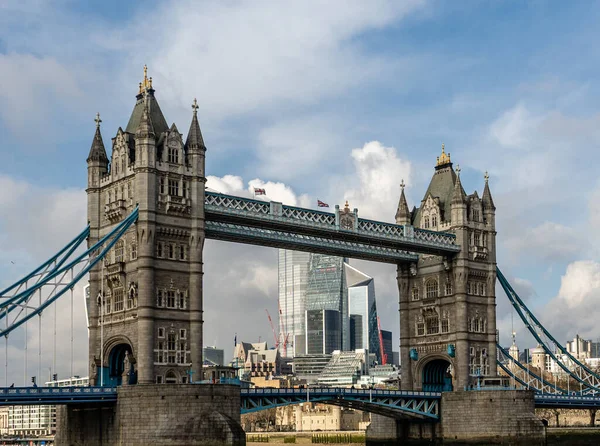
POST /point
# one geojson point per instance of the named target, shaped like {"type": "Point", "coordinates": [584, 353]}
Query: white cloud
{"type": "Point", "coordinates": [39, 87]}
{"type": "Point", "coordinates": [550, 241]}
{"type": "Point", "coordinates": [575, 309]}
{"type": "Point", "coordinates": [261, 54]}
{"type": "Point", "coordinates": [513, 127]}
{"type": "Point", "coordinates": [379, 171]}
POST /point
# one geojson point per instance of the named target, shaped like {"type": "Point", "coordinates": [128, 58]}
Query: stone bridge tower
{"type": "Point", "coordinates": [448, 305]}
{"type": "Point", "coordinates": [145, 314]}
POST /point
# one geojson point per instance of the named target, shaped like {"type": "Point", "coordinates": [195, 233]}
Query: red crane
{"type": "Point", "coordinates": [383, 354]}
{"type": "Point", "coordinates": [272, 329]}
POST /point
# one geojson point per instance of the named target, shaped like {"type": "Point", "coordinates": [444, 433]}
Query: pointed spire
{"type": "Point", "coordinates": [402, 214]}
{"type": "Point", "coordinates": [458, 195]}
{"type": "Point", "coordinates": [145, 129]}
{"type": "Point", "coordinates": [97, 151]}
{"type": "Point", "coordinates": [488, 202]}
{"type": "Point", "coordinates": [194, 138]}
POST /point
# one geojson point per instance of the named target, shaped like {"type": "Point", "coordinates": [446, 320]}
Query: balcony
{"type": "Point", "coordinates": [478, 252]}
{"type": "Point", "coordinates": [114, 211]}
{"type": "Point", "coordinates": [177, 205]}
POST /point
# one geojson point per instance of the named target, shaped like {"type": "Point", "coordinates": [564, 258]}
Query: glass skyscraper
{"type": "Point", "coordinates": [362, 311]}
{"type": "Point", "coordinates": [326, 290]}
{"type": "Point", "coordinates": [293, 279]}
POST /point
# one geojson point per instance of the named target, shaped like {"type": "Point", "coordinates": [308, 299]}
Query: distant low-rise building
{"type": "Point", "coordinates": [213, 355]}
{"type": "Point", "coordinates": [255, 359]}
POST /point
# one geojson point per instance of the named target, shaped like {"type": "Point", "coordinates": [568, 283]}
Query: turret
{"type": "Point", "coordinates": [145, 142]}
{"type": "Point", "coordinates": [458, 202]}
{"type": "Point", "coordinates": [97, 160]}
{"type": "Point", "coordinates": [489, 209]}
{"type": "Point", "coordinates": [402, 214]}
{"type": "Point", "coordinates": [194, 144]}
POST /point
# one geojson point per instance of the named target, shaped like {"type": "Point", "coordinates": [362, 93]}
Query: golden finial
{"type": "Point", "coordinates": [347, 206]}
{"type": "Point", "coordinates": [146, 84]}
{"type": "Point", "coordinates": [444, 158]}
{"type": "Point", "coordinates": [97, 120]}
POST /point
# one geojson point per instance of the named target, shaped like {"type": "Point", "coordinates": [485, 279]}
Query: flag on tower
{"type": "Point", "coordinates": [258, 191]}
{"type": "Point", "coordinates": [322, 204]}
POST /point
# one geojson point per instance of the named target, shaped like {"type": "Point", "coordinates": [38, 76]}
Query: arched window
{"type": "Point", "coordinates": [415, 294]}
{"type": "Point", "coordinates": [426, 223]}
{"type": "Point", "coordinates": [434, 221]}
{"type": "Point", "coordinates": [432, 288]}
{"type": "Point", "coordinates": [170, 377]}
{"type": "Point", "coordinates": [173, 155]}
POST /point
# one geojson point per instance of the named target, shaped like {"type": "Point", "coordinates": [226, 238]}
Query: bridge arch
{"type": "Point", "coordinates": [434, 373]}
{"type": "Point", "coordinates": [115, 351]}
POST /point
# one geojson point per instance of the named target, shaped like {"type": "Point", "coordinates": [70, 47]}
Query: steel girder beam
{"type": "Point", "coordinates": [275, 216]}
{"type": "Point", "coordinates": [301, 242]}
{"type": "Point", "coordinates": [397, 404]}
{"type": "Point", "coordinates": [10, 396]}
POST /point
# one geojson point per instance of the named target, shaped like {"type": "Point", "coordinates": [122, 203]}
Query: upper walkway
{"type": "Point", "coordinates": [274, 224]}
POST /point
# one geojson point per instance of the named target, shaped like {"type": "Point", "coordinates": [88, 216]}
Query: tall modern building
{"type": "Point", "coordinates": [293, 279]}
{"type": "Point", "coordinates": [323, 331]}
{"type": "Point", "coordinates": [362, 312]}
{"type": "Point", "coordinates": [326, 290]}
{"type": "Point", "coordinates": [386, 336]}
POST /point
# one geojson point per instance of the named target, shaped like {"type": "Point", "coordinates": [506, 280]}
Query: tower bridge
{"type": "Point", "coordinates": [149, 214]}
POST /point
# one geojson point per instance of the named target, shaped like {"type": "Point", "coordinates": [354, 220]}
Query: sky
{"type": "Point", "coordinates": [312, 100]}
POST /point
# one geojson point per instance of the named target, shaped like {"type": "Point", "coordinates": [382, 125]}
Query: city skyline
{"type": "Point", "coordinates": [385, 86]}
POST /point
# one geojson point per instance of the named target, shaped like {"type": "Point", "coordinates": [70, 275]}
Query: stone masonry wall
{"type": "Point", "coordinates": [493, 417]}
{"type": "Point", "coordinates": [178, 414]}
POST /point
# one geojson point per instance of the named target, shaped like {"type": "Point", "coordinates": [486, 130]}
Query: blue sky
{"type": "Point", "coordinates": [335, 100]}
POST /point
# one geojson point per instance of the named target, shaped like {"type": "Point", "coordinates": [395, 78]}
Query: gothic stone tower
{"type": "Point", "coordinates": [448, 305]}
{"type": "Point", "coordinates": [150, 285]}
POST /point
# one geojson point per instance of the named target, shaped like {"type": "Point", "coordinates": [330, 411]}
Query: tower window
{"type": "Point", "coordinates": [119, 248]}
{"type": "Point", "coordinates": [426, 223]}
{"type": "Point", "coordinates": [171, 342]}
{"type": "Point", "coordinates": [171, 251]}
{"type": "Point", "coordinates": [182, 301]}
{"type": "Point", "coordinates": [118, 299]}
{"type": "Point", "coordinates": [174, 188]}
{"type": "Point", "coordinates": [448, 288]}
{"type": "Point", "coordinates": [433, 325]}
{"type": "Point", "coordinates": [133, 251]}
{"type": "Point", "coordinates": [415, 294]}
{"type": "Point", "coordinates": [476, 239]}
{"type": "Point", "coordinates": [161, 334]}
{"type": "Point", "coordinates": [170, 299]}
{"type": "Point", "coordinates": [434, 221]}
{"type": "Point", "coordinates": [432, 289]}
{"type": "Point", "coordinates": [182, 333]}
{"type": "Point", "coordinates": [182, 252]}
{"type": "Point", "coordinates": [420, 328]}
{"type": "Point", "coordinates": [445, 326]}
{"type": "Point", "coordinates": [186, 189]}
{"type": "Point", "coordinates": [476, 216]}
{"type": "Point", "coordinates": [159, 249]}
{"type": "Point", "coordinates": [173, 155]}
{"type": "Point", "coordinates": [160, 298]}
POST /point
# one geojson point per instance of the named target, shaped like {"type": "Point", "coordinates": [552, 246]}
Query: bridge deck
{"type": "Point", "coordinates": [12, 396]}
{"type": "Point", "coordinates": [253, 221]}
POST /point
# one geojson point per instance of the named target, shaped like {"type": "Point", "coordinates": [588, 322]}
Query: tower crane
{"type": "Point", "coordinates": [384, 357]}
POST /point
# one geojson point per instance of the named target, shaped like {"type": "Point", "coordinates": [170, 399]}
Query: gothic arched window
{"type": "Point", "coordinates": [434, 221]}
{"type": "Point", "coordinates": [173, 155]}
{"type": "Point", "coordinates": [432, 288]}
{"type": "Point", "coordinates": [426, 223]}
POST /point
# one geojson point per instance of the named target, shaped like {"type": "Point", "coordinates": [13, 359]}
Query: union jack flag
{"type": "Point", "coordinates": [322, 204]}
{"type": "Point", "coordinates": [258, 191]}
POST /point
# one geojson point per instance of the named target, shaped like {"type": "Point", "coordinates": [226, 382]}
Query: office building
{"type": "Point", "coordinates": [387, 346]}
{"type": "Point", "coordinates": [292, 281]}
{"type": "Point", "coordinates": [213, 356]}
{"type": "Point", "coordinates": [362, 311]}
{"type": "Point", "coordinates": [323, 331]}
{"type": "Point", "coordinates": [326, 290]}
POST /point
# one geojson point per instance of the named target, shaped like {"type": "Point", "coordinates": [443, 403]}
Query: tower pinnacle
{"type": "Point", "coordinates": [444, 158]}
{"type": "Point", "coordinates": [146, 84]}
{"type": "Point", "coordinates": [97, 151]}
{"type": "Point", "coordinates": [402, 213]}
{"type": "Point", "coordinates": [194, 138]}
{"type": "Point", "coordinates": [97, 120]}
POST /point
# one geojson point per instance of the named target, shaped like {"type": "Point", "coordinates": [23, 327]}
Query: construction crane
{"type": "Point", "coordinates": [383, 354]}
{"type": "Point", "coordinates": [272, 329]}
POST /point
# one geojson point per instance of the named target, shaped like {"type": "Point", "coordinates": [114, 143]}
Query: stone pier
{"type": "Point", "coordinates": [181, 414]}
{"type": "Point", "coordinates": [468, 418]}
